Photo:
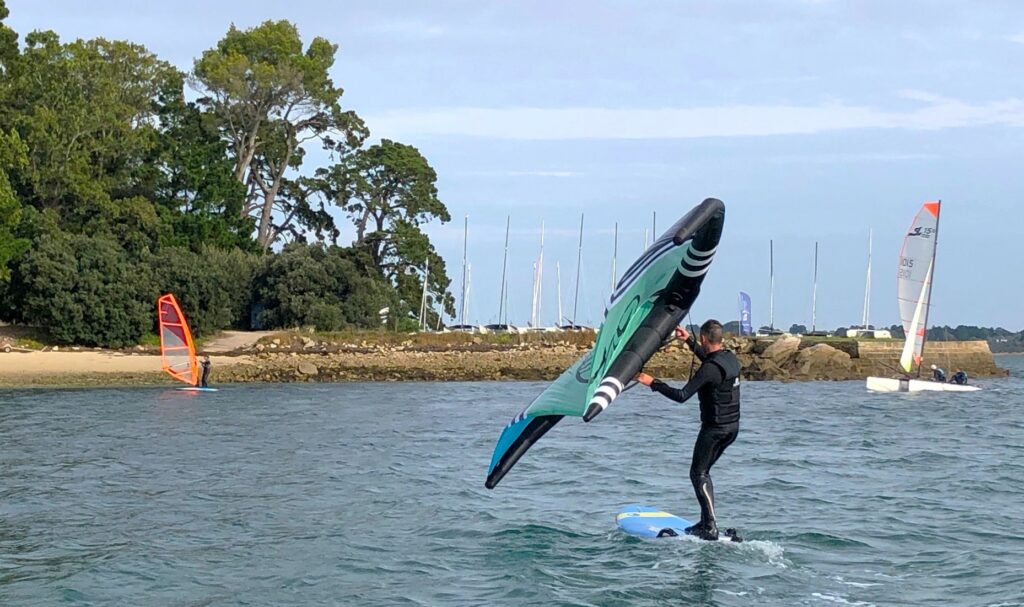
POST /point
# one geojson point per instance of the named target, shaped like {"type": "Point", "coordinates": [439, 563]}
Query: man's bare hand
{"type": "Point", "coordinates": [682, 333]}
{"type": "Point", "coordinates": [644, 379]}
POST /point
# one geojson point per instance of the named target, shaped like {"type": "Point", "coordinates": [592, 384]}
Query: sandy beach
{"type": "Point", "coordinates": [88, 368]}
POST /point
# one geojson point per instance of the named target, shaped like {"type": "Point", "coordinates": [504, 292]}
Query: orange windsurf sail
{"type": "Point", "coordinates": [177, 352]}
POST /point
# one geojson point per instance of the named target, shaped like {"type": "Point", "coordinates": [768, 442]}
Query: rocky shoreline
{"type": "Point", "coordinates": [292, 357]}
{"type": "Point", "coordinates": [786, 359]}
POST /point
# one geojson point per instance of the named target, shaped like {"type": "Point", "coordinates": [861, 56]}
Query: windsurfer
{"type": "Point", "coordinates": [206, 370]}
{"type": "Point", "coordinates": [959, 378]}
{"type": "Point", "coordinates": [716, 384]}
{"type": "Point", "coordinates": [938, 374]}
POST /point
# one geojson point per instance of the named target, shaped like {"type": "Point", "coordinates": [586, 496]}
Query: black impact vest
{"type": "Point", "coordinates": [720, 403]}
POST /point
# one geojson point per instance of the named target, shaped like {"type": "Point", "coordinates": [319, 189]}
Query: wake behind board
{"type": "Point", "coordinates": [197, 389]}
{"type": "Point", "coordinates": [648, 522]}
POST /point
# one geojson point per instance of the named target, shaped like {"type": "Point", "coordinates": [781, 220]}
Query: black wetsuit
{"type": "Point", "coordinates": [206, 373]}
{"type": "Point", "coordinates": [717, 385]}
{"type": "Point", "coordinates": [959, 378]}
{"type": "Point", "coordinates": [938, 375]}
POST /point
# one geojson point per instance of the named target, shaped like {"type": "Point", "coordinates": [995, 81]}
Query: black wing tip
{"type": "Point", "coordinates": [708, 208]}
{"type": "Point", "coordinates": [592, 411]}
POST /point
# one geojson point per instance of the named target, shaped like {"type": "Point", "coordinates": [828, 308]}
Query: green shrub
{"type": "Point", "coordinates": [213, 287]}
{"type": "Point", "coordinates": [86, 290]}
{"type": "Point", "coordinates": [313, 285]}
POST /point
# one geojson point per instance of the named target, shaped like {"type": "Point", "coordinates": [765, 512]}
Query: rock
{"type": "Point", "coordinates": [306, 342]}
{"type": "Point", "coordinates": [762, 369]}
{"type": "Point", "coordinates": [56, 348]}
{"type": "Point", "coordinates": [307, 368]}
{"type": "Point", "coordinates": [822, 361]}
{"type": "Point", "coordinates": [275, 342]}
{"type": "Point", "coordinates": [741, 345]}
{"type": "Point", "coordinates": [260, 348]}
{"type": "Point", "coordinates": [782, 350]}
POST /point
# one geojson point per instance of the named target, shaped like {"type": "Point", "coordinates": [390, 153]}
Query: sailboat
{"type": "Point", "coordinates": [502, 325]}
{"type": "Point", "coordinates": [771, 330]}
{"type": "Point", "coordinates": [914, 290]}
{"type": "Point", "coordinates": [573, 326]}
{"type": "Point", "coordinates": [865, 330]}
{"type": "Point", "coordinates": [177, 350]}
{"type": "Point", "coordinates": [538, 286]}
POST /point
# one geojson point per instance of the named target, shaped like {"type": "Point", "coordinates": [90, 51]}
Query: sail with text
{"type": "Point", "coordinates": [914, 281]}
{"type": "Point", "coordinates": [650, 299]}
{"type": "Point", "coordinates": [177, 351]}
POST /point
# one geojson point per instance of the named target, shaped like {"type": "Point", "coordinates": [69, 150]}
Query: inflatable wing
{"type": "Point", "coordinates": [650, 300]}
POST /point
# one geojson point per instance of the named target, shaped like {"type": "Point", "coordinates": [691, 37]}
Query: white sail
{"type": "Point", "coordinates": [915, 333]}
{"type": "Point", "coordinates": [914, 280]}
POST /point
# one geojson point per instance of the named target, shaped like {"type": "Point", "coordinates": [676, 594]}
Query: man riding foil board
{"type": "Point", "coordinates": [716, 384]}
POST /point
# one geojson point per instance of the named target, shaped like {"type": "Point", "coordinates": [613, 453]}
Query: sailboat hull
{"type": "Point", "coordinates": [888, 384]}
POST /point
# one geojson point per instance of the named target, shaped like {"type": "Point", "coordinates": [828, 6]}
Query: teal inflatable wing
{"type": "Point", "coordinates": [650, 300]}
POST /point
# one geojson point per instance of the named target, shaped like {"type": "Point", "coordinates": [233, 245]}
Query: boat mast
{"type": "Point", "coordinates": [865, 320]}
{"type": "Point", "coordinates": [469, 281]}
{"type": "Point", "coordinates": [654, 225]}
{"type": "Point", "coordinates": [814, 295]}
{"type": "Point", "coordinates": [615, 255]}
{"type": "Point", "coordinates": [558, 278]}
{"type": "Point", "coordinates": [540, 276]}
{"type": "Point", "coordinates": [771, 287]}
{"type": "Point", "coordinates": [931, 281]}
{"type": "Point", "coordinates": [533, 300]}
{"type": "Point", "coordinates": [465, 284]}
{"type": "Point", "coordinates": [538, 282]}
{"type": "Point", "coordinates": [502, 311]}
{"type": "Point", "coordinates": [423, 299]}
{"type": "Point", "coordinates": [579, 261]}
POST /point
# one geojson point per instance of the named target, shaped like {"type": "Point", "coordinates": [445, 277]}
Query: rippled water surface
{"type": "Point", "coordinates": [372, 494]}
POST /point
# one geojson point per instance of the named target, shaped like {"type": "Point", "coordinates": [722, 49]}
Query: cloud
{"type": "Point", "coordinates": [531, 123]}
{"type": "Point", "coordinates": [414, 29]}
{"type": "Point", "coordinates": [544, 173]}
{"type": "Point", "coordinates": [1018, 37]}
{"type": "Point", "coordinates": [540, 173]}
{"type": "Point", "coordinates": [851, 157]}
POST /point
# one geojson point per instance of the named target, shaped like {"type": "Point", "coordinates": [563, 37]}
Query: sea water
{"type": "Point", "coordinates": [372, 494]}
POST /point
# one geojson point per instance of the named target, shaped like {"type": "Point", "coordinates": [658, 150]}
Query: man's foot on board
{"type": "Point", "coordinates": [695, 529]}
{"type": "Point", "coordinates": [709, 532]}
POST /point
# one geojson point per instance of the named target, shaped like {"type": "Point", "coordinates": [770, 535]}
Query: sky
{"type": "Point", "coordinates": [813, 120]}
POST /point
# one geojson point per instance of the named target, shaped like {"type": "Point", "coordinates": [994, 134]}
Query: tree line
{"type": "Point", "coordinates": [122, 177]}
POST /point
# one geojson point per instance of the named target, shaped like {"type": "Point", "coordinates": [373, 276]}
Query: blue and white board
{"type": "Point", "coordinates": [645, 521]}
{"type": "Point", "coordinates": [197, 389]}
